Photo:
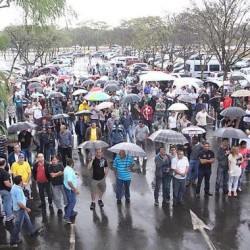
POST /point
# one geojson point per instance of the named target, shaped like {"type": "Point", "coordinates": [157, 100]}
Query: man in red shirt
{"type": "Point", "coordinates": [147, 112]}
{"type": "Point", "coordinates": [41, 175]}
{"type": "Point", "coordinates": [227, 102]}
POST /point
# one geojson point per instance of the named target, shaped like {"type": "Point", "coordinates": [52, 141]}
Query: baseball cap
{"type": "Point", "coordinates": [21, 155]}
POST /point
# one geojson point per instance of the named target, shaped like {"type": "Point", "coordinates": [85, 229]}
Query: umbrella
{"type": "Point", "coordinates": [105, 105]}
{"type": "Point", "coordinates": [111, 88]}
{"type": "Point", "coordinates": [185, 98]}
{"type": "Point", "coordinates": [230, 133]}
{"type": "Point", "coordinates": [34, 85]}
{"type": "Point", "coordinates": [54, 94]}
{"type": "Point", "coordinates": [241, 93]}
{"type": "Point", "coordinates": [112, 82]}
{"type": "Point", "coordinates": [233, 112]}
{"type": "Point", "coordinates": [100, 82]}
{"type": "Point", "coordinates": [93, 144]}
{"type": "Point", "coordinates": [168, 136]}
{"type": "Point", "coordinates": [83, 112]}
{"type": "Point", "coordinates": [80, 91]}
{"type": "Point", "coordinates": [97, 96]}
{"type": "Point", "coordinates": [130, 148]}
{"type": "Point", "coordinates": [95, 89]}
{"type": "Point", "coordinates": [83, 78]}
{"type": "Point", "coordinates": [130, 98]}
{"type": "Point", "coordinates": [214, 99]}
{"type": "Point", "coordinates": [59, 116]}
{"type": "Point", "coordinates": [63, 77]}
{"type": "Point", "coordinates": [36, 95]}
{"type": "Point", "coordinates": [193, 130]}
{"type": "Point", "coordinates": [37, 79]}
{"type": "Point", "coordinates": [88, 82]}
{"type": "Point", "coordinates": [178, 107]}
{"type": "Point", "coordinates": [20, 126]}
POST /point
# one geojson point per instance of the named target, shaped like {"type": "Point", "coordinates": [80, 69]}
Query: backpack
{"type": "Point", "coordinates": [117, 135]}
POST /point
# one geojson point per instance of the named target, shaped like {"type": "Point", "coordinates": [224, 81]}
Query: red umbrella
{"type": "Point", "coordinates": [63, 77]}
{"type": "Point", "coordinates": [95, 89]}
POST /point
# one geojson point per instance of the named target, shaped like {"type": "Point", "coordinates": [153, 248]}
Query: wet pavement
{"type": "Point", "coordinates": [141, 225]}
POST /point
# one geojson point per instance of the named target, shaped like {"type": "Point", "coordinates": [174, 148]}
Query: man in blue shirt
{"type": "Point", "coordinates": [122, 165]}
{"type": "Point", "coordinates": [21, 212]}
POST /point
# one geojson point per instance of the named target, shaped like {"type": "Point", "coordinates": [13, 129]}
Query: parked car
{"type": "Point", "coordinates": [78, 54]}
{"type": "Point", "coordinates": [243, 63]}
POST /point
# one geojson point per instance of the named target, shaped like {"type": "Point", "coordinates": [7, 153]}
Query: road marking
{"type": "Point", "coordinates": [201, 226]}
{"type": "Point", "coordinates": [72, 239]}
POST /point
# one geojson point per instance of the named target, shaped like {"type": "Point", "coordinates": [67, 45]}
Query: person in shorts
{"type": "Point", "coordinates": [100, 170]}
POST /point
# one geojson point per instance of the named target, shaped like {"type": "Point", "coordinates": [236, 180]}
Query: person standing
{"type": "Point", "coordinates": [122, 165]}
{"type": "Point", "coordinates": [21, 212]}
{"type": "Point", "coordinates": [56, 175]}
{"type": "Point", "coordinates": [206, 158]}
{"type": "Point", "coordinates": [93, 133]}
{"type": "Point", "coordinates": [147, 113]}
{"type": "Point", "coordinates": [180, 167]}
{"type": "Point", "coordinates": [172, 121]}
{"type": "Point", "coordinates": [5, 187]}
{"type": "Point", "coordinates": [26, 140]}
{"type": "Point", "coordinates": [235, 160]}
{"type": "Point", "coordinates": [49, 144]}
{"type": "Point", "coordinates": [163, 176]}
{"type": "Point", "coordinates": [222, 171]}
{"type": "Point", "coordinates": [100, 168]}
{"type": "Point", "coordinates": [70, 189]}
{"type": "Point", "coordinates": [160, 108]}
{"type": "Point", "coordinates": [65, 142]}
{"type": "Point", "coordinates": [127, 122]}
{"type": "Point", "coordinates": [41, 175]}
{"type": "Point", "coordinates": [196, 148]}
{"type": "Point", "coordinates": [80, 130]}
{"type": "Point", "coordinates": [244, 152]}
{"type": "Point", "coordinates": [141, 135]}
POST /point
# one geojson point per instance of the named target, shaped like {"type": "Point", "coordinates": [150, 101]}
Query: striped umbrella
{"type": "Point", "coordinates": [168, 136]}
{"type": "Point", "coordinates": [130, 148]}
{"type": "Point", "coordinates": [193, 130]}
{"type": "Point", "coordinates": [97, 96]}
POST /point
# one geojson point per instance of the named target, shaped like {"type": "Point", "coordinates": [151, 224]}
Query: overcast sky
{"type": "Point", "coordinates": [110, 11]}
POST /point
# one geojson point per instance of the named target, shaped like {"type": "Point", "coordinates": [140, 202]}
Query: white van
{"type": "Point", "coordinates": [194, 67]}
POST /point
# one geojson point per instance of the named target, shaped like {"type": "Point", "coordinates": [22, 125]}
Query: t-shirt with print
{"type": "Point", "coordinates": [206, 155]}
{"type": "Point", "coordinates": [4, 176]}
{"type": "Point", "coordinates": [98, 168]}
{"type": "Point", "coordinates": [58, 180]}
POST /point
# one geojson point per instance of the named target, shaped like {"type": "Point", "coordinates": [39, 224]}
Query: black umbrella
{"type": "Point", "coordinates": [20, 126]}
{"type": "Point", "coordinates": [55, 94]}
{"type": "Point", "coordinates": [230, 133]}
{"type": "Point", "coordinates": [88, 82]}
{"type": "Point", "coordinates": [233, 112]}
{"type": "Point", "coordinates": [100, 82]}
{"type": "Point", "coordinates": [130, 98]}
{"type": "Point", "coordinates": [112, 82]}
{"type": "Point", "coordinates": [83, 112]}
{"type": "Point", "coordinates": [34, 85]}
{"type": "Point", "coordinates": [111, 88]}
{"type": "Point", "coordinates": [59, 116]}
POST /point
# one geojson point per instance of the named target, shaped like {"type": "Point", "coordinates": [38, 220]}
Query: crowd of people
{"type": "Point", "coordinates": [52, 169]}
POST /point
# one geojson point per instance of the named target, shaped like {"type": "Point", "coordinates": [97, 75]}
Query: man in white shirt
{"type": "Point", "coordinates": [172, 121]}
{"type": "Point", "coordinates": [37, 110]}
{"type": "Point", "coordinates": [180, 167]}
{"type": "Point", "coordinates": [201, 119]}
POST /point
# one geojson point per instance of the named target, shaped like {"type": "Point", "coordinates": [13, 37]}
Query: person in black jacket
{"type": "Point", "coordinates": [48, 139]}
{"type": "Point", "coordinates": [41, 175]}
{"type": "Point", "coordinates": [80, 130]}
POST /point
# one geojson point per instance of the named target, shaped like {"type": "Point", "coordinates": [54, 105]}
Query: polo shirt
{"type": "Point", "coordinates": [17, 197]}
{"type": "Point", "coordinates": [93, 136]}
{"type": "Point", "coordinates": [120, 165]}
{"type": "Point", "coordinates": [181, 165]}
{"type": "Point", "coordinates": [24, 170]}
{"type": "Point", "coordinates": [206, 155]}
{"type": "Point", "coordinates": [69, 175]}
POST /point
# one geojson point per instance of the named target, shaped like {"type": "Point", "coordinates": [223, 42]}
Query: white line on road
{"type": "Point", "coordinates": [72, 239]}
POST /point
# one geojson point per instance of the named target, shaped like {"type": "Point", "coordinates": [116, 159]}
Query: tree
{"type": "Point", "coordinates": [224, 25]}
{"type": "Point", "coordinates": [39, 11]}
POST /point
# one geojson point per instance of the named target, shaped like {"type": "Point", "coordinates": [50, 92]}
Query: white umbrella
{"type": "Point", "coordinates": [193, 130]}
{"type": "Point", "coordinates": [156, 76]}
{"type": "Point", "coordinates": [93, 144]}
{"type": "Point", "coordinates": [130, 148]}
{"type": "Point", "coordinates": [178, 107]}
{"type": "Point", "coordinates": [80, 91]}
{"type": "Point", "coordinates": [241, 93]}
{"type": "Point", "coordinates": [36, 95]}
{"type": "Point", "coordinates": [104, 105]}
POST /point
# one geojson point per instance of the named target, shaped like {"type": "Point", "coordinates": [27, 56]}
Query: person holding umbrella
{"type": "Point", "coordinates": [122, 165]}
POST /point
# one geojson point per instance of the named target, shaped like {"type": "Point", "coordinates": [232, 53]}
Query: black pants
{"type": "Point", "coordinates": [44, 187]}
{"type": "Point", "coordinates": [66, 152]}
{"type": "Point", "coordinates": [204, 172]}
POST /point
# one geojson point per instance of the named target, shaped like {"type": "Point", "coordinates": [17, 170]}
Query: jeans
{"type": "Point", "coordinates": [28, 155]}
{"type": "Point", "coordinates": [178, 189]}
{"type": "Point", "coordinates": [130, 135]}
{"type": "Point", "coordinates": [120, 184]}
{"type": "Point", "coordinates": [42, 187]}
{"type": "Point", "coordinates": [222, 178]}
{"type": "Point", "coordinates": [203, 173]}
{"type": "Point", "coordinates": [241, 177]}
{"type": "Point", "coordinates": [165, 181]}
{"type": "Point", "coordinates": [48, 152]}
{"type": "Point", "coordinates": [21, 217]}
{"type": "Point", "coordinates": [233, 183]}
{"type": "Point", "coordinates": [71, 198]}
{"type": "Point", "coordinates": [7, 203]}
{"type": "Point", "coordinates": [192, 174]}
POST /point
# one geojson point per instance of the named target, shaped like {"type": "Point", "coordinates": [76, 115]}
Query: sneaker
{"type": "Point", "coordinates": [145, 158]}
{"type": "Point", "coordinates": [100, 203]}
{"type": "Point", "coordinates": [11, 219]}
{"type": "Point", "coordinates": [156, 203]}
{"type": "Point", "coordinates": [73, 217]}
{"type": "Point", "coordinates": [127, 200]}
{"type": "Point", "coordinates": [67, 221]}
{"type": "Point", "coordinates": [235, 194]}
{"type": "Point", "coordinates": [36, 232]}
{"type": "Point", "coordinates": [197, 195]}
{"type": "Point", "coordinates": [92, 205]}
{"type": "Point", "coordinates": [16, 242]}
{"type": "Point", "coordinates": [119, 202]}
{"type": "Point", "coordinates": [208, 194]}
{"type": "Point", "coordinates": [167, 201]}
{"type": "Point", "coordinates": [135, 159]}
{"type": "Point", "coordinates": [239, 189]}
{"type": "Point", "coordinates": [229, 194]}
{"type": "Point", "coordinates": [59, 211]}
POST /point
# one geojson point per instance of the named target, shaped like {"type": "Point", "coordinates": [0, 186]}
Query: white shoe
{"type": "Point", "coordinates": [135, 159]}
{"type": "Point", "coordinates": [145, 158]}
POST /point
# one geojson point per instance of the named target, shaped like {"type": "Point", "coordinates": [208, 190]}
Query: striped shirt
{"type": "Point", "coordinates": [2, 142]}
{"type": "Point", "coordinates": [120, 165]}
